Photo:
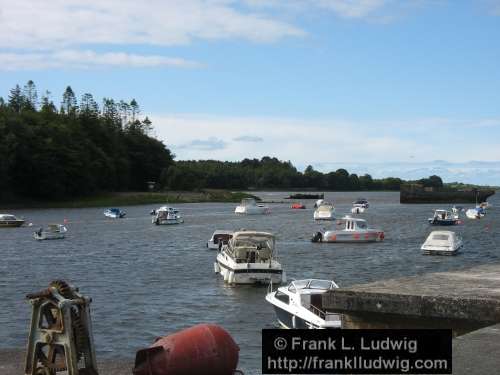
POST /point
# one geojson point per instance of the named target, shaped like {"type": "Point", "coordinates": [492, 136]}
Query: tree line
{"type": "Point", "coordinates": [81, 148]}
{"type": "Point", "coordinates": [77, 148]}
{"type": "Point", "coordinates": [271, 173]}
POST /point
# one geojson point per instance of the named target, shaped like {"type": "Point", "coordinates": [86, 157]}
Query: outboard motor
{"type": "Point", "coordinates": [317, 237]}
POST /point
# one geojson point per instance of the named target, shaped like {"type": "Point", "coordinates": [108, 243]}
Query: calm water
{"type": "Point", "coordinates": [148, 280]}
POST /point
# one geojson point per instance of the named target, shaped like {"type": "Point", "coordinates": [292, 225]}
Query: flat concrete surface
{"type": "Point", "coordinates": [12, 363]}
{"type": "Point", "coordinates": [471, 294]}
{"type": "Point", "coordinates": [477, 352]}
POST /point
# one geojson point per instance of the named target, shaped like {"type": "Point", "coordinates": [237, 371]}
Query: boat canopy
{"type": "Point", "coordinates": [325, 206]}
{"type": "Point", "coordinates": [352, 223]}
{"type": "Point", "coordinates": [114, 210]}
{"type": "Point", "coordinates": [8, 217]}
{"type": "Point", "coordinates": [441, 239]}
{"type": "Point", "coordinates": [251, 238]}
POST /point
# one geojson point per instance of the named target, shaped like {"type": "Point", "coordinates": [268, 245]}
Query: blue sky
{"type": "Point", "coordinates": [367, 83]}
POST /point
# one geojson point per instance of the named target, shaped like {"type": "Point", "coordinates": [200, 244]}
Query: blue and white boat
{"type": "Point", "coordinates": [114, 213]}
{"type": "Point", "coordinates": [444, 217]}
{"type": "Point", "coordinates": [300, 304]}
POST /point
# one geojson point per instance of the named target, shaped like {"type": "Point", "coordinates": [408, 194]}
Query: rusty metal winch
{"type": "Point", "coordinates": [60, 337]}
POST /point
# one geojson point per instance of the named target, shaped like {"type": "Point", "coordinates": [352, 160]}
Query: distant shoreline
{"type": "Point", "coordinates": [119, 199]}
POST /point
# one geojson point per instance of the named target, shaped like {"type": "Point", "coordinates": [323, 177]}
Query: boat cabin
{"type": "Point", "coordinates": [348, 223]}
{"type": "Point", "coordinates": [308, 294]}
{"type": "Point", "coordinates": [251, 247]}
{"type": "Point", "coordinates": [443, 215]}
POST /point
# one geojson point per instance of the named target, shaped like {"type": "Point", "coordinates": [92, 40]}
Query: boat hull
{"type": "Point", "coordinates": [443, 222]}
{"type": "Point", "coordinates": [11, 223]}
{"type": "Point", "coordinates": [46, 236]}
{"type": "Point", "coordinates": [352, 237]}
{"type": "Point", "coordinates": [249, 275]}
{"type": "Point", "coordinates": [240, 210]}
{"type": "Point", "coordinates": [168, 221]}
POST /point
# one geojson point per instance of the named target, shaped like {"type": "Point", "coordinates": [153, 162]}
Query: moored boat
{"type": "Point", "coordinates": [298, 206]}
{"type": "Point", "coordinates": [250, 258]}
{"type": "Point", "coordinates": [442, 242]}
{"type": "Point", "coordinates": [219, 238]}
{"type": "Point", "coordinates": [349, 229]}
{"type": "Point", "coordinates": [300, 304]}
{"type": "Point", "coordinates": [114, 213]}
{"type": "Point", "coordinates": [361, 202]}
{"type": "Point", "coordinates": [166, 216]}
{"type": "Point", "coordinates": [53, 232]}
{"type": "Point", "coordinates": [475, 213]}
{"type": "Point", "coordinates": [10, 221]}
{"type": "Point", "coordinates": [249, 206]}
{"type": "Point", "coordinates": [325, 211]}
{"type": "Point", "coordinates": [444, 217]}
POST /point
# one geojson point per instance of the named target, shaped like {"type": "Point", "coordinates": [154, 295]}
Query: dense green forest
{"type": "Point", "coordinates": [271, 173]}
{"type": "Point", "coordinates": [80, 148]}
{"type": "Point", "coordinates": [77, 148]}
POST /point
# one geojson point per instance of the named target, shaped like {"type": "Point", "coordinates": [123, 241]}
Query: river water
{"type": "Point", "coordinates": [147, 281]}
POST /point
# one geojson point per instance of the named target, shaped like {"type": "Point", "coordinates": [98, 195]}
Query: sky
{"type": "Point", "coordinates": [386, 87]}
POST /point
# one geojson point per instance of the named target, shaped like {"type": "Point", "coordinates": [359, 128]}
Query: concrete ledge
{"type": "Point", "coordinates": [472, 294]}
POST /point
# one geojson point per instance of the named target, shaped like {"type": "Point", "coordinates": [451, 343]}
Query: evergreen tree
{"type": "Point", "coordinates": [16, 99]}
{"type": "Point", "coordinates": [69, 104]}
{"type": "Point", "coordinates": [30, 96]}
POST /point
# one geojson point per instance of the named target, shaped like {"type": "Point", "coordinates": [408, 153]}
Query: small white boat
{"type": "Point", "coordinates": [442, 242]}
{"type": "Point", "coordinates": [219, 238]}
{"type": "Point", "coordinates": [249, 206]}
{"type": "Point", "coordinates": [53, 232]}
{"type": "Point", "coordinates": [300, 304]}
{"type": "Point", "coordinates": [114, 213]}
{"type": "Point", "coordinates": [249, 258]}
{"type": "Point", "coordinates": [361, 202]}
{"type": "Point", "coordinates": [350, 229]}
{"type": "Point", "coordinates": [475, 213]}
{"type": "Point", "coordinates": [166, 216]}
{"type": "Point", "coordinates": [10, 221]}
{"type": "Point", "coordinates": [325, 211]}
{"type": "Point", "coordinates": [444, 217]}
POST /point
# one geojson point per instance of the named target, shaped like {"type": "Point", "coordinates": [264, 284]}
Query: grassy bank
{"type": "Point", "coordinates": [133, 198]}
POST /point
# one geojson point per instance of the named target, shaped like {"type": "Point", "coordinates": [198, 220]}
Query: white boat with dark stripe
{"type": "Point", "coordinates": [300, 304]}
{"type": "Point", "coordinates": [250, 258]}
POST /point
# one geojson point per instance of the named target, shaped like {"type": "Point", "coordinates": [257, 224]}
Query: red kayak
{"type": "Point", "coordinates": [298, 206]}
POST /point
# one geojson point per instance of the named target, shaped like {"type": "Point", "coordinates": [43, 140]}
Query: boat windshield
{"type": "Point", "coordinates": [440, 237]}
{"type": "Point", "coordinates": [310, 284]}
{"type": "Point", "coordinates": [114, 210]}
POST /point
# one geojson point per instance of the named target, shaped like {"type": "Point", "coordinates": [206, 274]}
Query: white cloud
{"type": "Point", "coordinates": [248, 138]}
{"type": "Point", "coordinates": [55, 24]}
{"type": "Point", "coordinates": [76, 59]}
{"type": "Point", "coordinates": [315, 142]}
{"type": "Point", "coordinates": [351, 8]}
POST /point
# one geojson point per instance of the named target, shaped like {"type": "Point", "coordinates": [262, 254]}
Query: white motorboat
{"type": "Point", "coordinates": [250, 258]}
{"type": "Point", "coordinates": [114, 213]}
{"type": "Point", "coordinates": [166, 216]}
{"type": "Point", "coordinates": [249, 206]}
{"type": "Point", "coordinates": [219, 238]}
{"type": "Point", "coordinates": [349, 229]}
{"type": "Point", "coordinates": [300, 304]}
{"type": "Point", "coordinates": [475, 213]}
{"type": "Point", "coordinates": [444, 217]}
{"type": "Point", "coordinates": [325, 211]}
{"type": "Point", "coordinates": [53, 232]}
{"type": "Point", "coordinates": [361, 202]}
{"type": "Point", "coordinates": [10, 221]}
{"type": "Point", "coordinates": [442, 242]}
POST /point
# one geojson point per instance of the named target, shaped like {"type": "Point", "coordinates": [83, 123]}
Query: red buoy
{"type": "Point", "coordinates": [202, 349]}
